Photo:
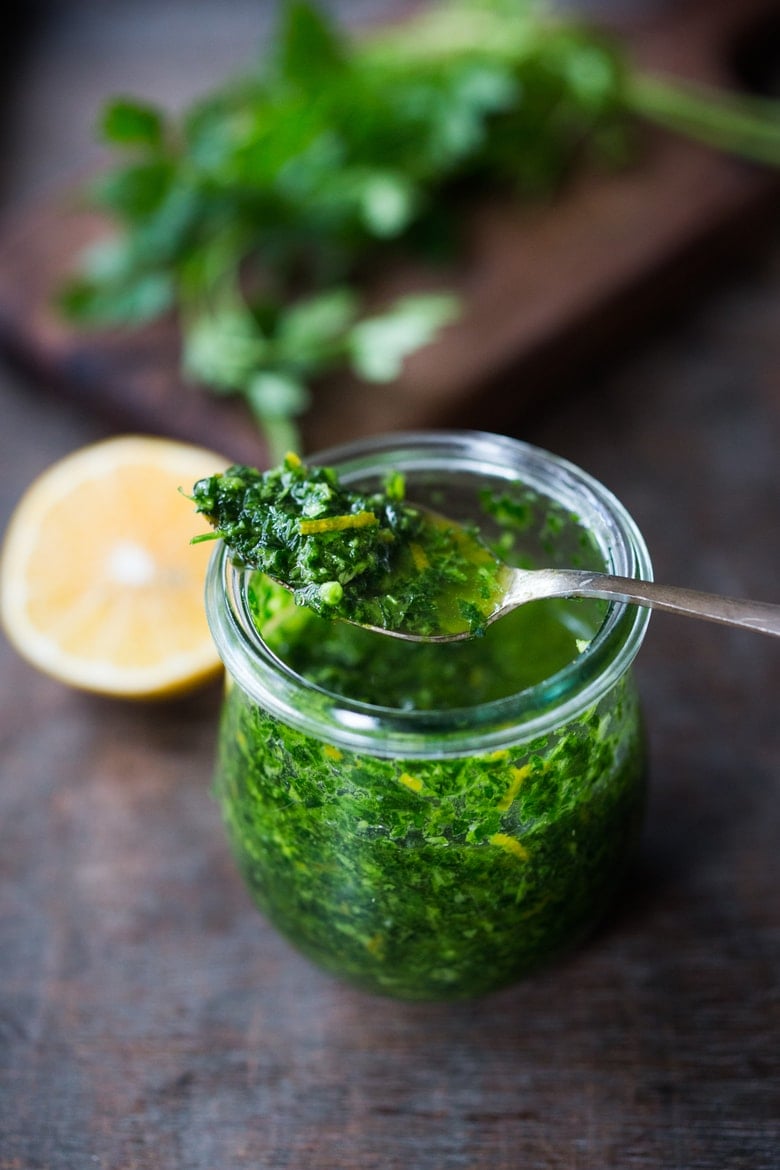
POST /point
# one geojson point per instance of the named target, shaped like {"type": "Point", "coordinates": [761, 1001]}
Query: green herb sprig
{"type": "Point", "coordinates": [257, 214]}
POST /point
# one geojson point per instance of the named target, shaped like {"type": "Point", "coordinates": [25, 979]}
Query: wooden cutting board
{"type": "Point", "coordinates": [545, 289]}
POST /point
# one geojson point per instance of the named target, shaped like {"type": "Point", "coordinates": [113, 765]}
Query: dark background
{"type": "Point", "coordinates": [148, 1016]}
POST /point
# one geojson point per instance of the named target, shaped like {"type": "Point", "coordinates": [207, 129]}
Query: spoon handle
{"type": "Point", "coordinates": [762, 616]}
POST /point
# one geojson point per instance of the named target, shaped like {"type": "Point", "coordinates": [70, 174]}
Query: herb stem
{"type": "Point", "coordinates": [738, 123]}
{"type": "Point", "coordinates": [281, 434]}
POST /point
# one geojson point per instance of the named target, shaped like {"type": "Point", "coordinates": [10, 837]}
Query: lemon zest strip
{"type": "Point", "coordinates": [510, 845]}
{"type": "Point", "coordinates": [337, 523]}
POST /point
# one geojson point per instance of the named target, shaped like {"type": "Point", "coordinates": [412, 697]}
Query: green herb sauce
{"type": "Point", "coordinates": [369, 558]}
{"type": "Point", "coordinates": [431, 879]}
{"type": "Point", "coordinates": [434, 878]}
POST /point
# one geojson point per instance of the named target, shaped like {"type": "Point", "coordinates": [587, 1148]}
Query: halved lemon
{"type": "Point", "coordinates": [99, 584]}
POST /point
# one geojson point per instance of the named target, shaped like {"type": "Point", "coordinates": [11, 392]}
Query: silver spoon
{"type": "Point", "coordinates": [524, 585]}
{"type": "Point", "coordinates": [519, 586]}
{"type": "Point", "coordinates": [515, 587]}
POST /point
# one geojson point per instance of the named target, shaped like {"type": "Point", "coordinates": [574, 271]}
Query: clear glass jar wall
{"type": "Point", "coordinates": [437, 822]}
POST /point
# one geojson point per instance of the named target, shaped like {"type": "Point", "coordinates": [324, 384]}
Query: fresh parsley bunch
{"type": "Point", "coordinates": [258, 214]}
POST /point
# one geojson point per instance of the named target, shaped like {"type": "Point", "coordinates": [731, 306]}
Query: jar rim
{"type": "Point", "coordinates": [470, 730]}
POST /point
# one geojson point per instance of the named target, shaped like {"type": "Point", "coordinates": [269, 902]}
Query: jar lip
{"type": "Point", "coordinates": [358, 726]}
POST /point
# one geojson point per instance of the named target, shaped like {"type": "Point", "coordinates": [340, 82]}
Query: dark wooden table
{"type": "Point", "coordinates": [151, 1020]}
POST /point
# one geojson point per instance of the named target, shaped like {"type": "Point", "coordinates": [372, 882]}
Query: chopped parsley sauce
{"type": "Point", "coordinates": [429, 877]}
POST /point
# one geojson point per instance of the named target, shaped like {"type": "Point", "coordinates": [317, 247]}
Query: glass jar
{"type": "Point", "coordinates": [437, 827]}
